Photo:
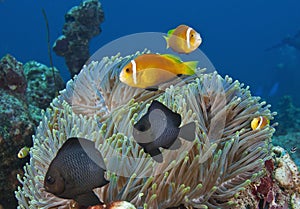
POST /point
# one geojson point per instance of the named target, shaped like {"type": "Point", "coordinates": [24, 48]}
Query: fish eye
{"type": "Point", "coordinates": [142, 128]}
{"type": "Point", "coordinates": [50, 180]}
{"type": "Point", "coordinates": [127, 70]}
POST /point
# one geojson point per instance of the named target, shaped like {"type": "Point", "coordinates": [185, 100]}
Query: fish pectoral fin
{"type": "Point", "coordinates": [174, 146]}
{"type": "Point", "coordinates": [87, 199]}
{"type": "Point", "coordinates": [167, 40]}
{"type": "Point", "coordinates": [152, 88]}
{"type": "Point", "coordinates": [187, 131]}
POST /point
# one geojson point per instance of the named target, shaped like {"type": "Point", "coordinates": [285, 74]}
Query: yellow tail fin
{"type": "Point", "coordinates": [191, 67]}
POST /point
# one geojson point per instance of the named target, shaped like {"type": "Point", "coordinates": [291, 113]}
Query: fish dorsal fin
{"type": "Point", "coordinates": [71, 143]}
{"type": "Point", "coordinates": [172, 57]}
{"type": "Point", "coordinates": [173, 118]}
{"type": "Point", "coordinates": [170, 32]}
{"type": "Point", "coordinates": [75, 144]}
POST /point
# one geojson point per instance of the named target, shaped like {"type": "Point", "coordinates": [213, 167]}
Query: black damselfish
{"type": "Point", "coordinates": [159, 127]}
{"type": "Point", "coordinates": [76, 170]}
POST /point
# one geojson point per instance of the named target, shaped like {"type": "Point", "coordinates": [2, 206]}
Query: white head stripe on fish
{"type": "Point", "coordinates": [133, 71]}
{"type": "Point", "coordinates": [260, 122]}
{"type": "Point", "coordinates": [188, 37]}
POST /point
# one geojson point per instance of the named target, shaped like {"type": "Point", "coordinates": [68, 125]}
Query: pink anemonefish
{"type": "Point", "coordinates": [259, 122]}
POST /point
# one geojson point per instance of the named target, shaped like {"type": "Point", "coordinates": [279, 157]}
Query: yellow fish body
{"type": "Point", "coordinates": [23, 152]}
{"type": "Point", "coordinates": [259, 122]}
{"type": "Point", "coordinates": [183, 39]}
{"type": "Point", "coordinates": [150, 70]}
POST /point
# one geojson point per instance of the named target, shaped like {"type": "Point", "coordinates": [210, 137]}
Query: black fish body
{"type": "Point", "coordinates": [76, 170]}
{"type": "Point", "coordinates": [159, 127]}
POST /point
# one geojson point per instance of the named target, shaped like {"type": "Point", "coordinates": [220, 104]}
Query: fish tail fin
{"type": "Point", "coordinates": [175, 145]}
{"type": "Point", "coordinates": [187, 131]}
{"type": "Point", "coordinates": [167, 40]}
{"type": "Point", "coordinates": [191, 67]}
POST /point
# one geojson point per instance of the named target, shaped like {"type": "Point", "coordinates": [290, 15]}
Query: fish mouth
{"type": "Point", "coordinates": [198, 37]}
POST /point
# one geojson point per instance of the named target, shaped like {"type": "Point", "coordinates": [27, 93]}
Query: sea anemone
{"type": "Point", "coordinates": [225, 156]}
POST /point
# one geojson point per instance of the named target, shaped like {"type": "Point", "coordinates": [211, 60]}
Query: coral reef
{"type": "Point", "coordinates": [12, 75]}
{"type": "Point", "coordinates": [225, 157]}
{"type": "Point", "coordinates": [289, 142]}
{"type": "Point", "coordinates": [40, 80]}
{"type": "Point", "coordinates": [19, 115]}
{"type": "Point", "coordinates": [277, 189]}
{"type": "Point", "coordinates": [288, 116]}
{"type": "Point", "coordinates": [81, 24]}
{"type": "Point", "coordinates": [287, 133]}
{"type": "Point", "coordinates": [16, 129]}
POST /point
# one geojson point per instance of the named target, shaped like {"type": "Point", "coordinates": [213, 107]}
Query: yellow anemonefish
{"type": "Point", "coordinates": [183, 39]}
{"type": "Point", "coordinates": [149, 70]}
{"type": "Point", "coordinates": [259, 122]}
{"type": "Point", "coordinates": [23, 152]}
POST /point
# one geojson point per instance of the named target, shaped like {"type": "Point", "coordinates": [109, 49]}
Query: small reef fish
{"type": "Point", "coordinates": [76, 170]}
{"type": "Point", "coordinates": [149, 70]}
{"type": "Point", "coordinates": [293, 149]}
{"type": "Point", "coordinates": [159, 127]}
{"type": "Point", "coordinates": [183, 39]}
{"type": "Point", "coordinates": [259, 122]}
{"type": "Point", "coordinates": [23, 152]}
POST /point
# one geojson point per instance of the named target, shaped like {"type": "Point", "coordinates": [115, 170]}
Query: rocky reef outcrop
{"type": "Point", "coordinates": [24, 91]}
{"type": "Point", "coordinates": [82, 23]}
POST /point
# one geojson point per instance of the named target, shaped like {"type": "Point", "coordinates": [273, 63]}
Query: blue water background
{"type": "Point", "coordinates": [235, 34]}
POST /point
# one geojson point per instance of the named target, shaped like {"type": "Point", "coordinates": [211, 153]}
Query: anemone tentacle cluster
{"type": "Point", "coordinates": [225, 157]}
